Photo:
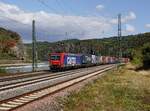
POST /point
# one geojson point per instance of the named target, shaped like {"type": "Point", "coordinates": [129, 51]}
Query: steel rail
{"type": "Point", "coordinates": [21, 100]}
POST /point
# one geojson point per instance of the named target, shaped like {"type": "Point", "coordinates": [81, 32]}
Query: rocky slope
{"type": "Point", "coordinates": [11, 46]}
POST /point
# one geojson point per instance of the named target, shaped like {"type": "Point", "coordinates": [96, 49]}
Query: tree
{"type": "Point", "coordinates": [146, 55]}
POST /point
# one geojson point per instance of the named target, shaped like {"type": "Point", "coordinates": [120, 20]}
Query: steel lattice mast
{"type": "Point", "coordinates": [119, 36]}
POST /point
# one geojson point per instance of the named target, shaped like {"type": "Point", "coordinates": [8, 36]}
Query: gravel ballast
{"type": "Point", "coordinates": [51, 102]}
{"type": "Point", "coordinates": [32, 87]}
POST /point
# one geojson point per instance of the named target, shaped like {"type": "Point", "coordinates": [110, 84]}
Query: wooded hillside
{"type": "Point", "coordinates": [106, 46]}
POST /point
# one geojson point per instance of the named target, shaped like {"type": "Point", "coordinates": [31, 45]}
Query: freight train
{"type": "Point", "coordinates": [61, 61]}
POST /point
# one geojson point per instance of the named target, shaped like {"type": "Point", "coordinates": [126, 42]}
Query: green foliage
{"type": "Point", "coordinates": [106, 46]}
{"type": "Point", "coordinates": [43, 49]}
{"type": "Point", "coordinates": [146, 55]}
{"type": "Point", "coordinates": [141, 56]}
{"type": "Point", "coordinates": [2, 70]}
{"type": "Point", "coordinates": [7, 35]}
{"type": "Point", "coordinates": [6, 56]}
{"type": "Point", "coordinates": [137, 57]}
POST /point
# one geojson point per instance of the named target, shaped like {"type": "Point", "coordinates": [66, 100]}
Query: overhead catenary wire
{"type": "Point", "coordinates": [52, 9]}
{"type": "Point", "coordinates": [13, 20]}
{"type": "Point", "coordinates": [62, 6]}
{"type": "Point", "coordinates": [47, 6]}
{"type": "Point", "coordinates": [76, 21]}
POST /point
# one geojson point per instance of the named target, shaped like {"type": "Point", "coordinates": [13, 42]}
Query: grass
{"type": "Point", "coordinates": [121, 90]}
{"type": "Point", "coordinates": [7, 56]}
{"type": "Point", "coordinates": [3, 72]}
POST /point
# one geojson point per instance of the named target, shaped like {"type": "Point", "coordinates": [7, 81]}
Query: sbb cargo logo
{"type": "Point", "coordinates": [71, 60]}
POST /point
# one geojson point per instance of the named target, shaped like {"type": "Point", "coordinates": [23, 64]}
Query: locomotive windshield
{"type": "Point", "coordinates": [55, 57]}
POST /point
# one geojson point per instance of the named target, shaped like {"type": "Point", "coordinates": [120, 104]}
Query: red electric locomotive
{"type": "Point", "coordinates": [65, 60]}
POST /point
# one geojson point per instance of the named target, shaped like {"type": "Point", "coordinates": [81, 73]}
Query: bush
{"type": "Point", "coordinates": [146, 55]}
{"type": "Point", "coordinates": [2, 70]}
{"type": "Point", "coordinates": [137, 57]}
{"type": "Point", "coordinates": [7, 56]}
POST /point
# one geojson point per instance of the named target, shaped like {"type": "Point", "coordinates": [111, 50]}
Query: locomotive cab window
{"type": "Point", "coordinates": [55, 57]}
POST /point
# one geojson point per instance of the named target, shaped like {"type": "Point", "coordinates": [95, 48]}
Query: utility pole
{"type": "Point", "coordinates": [119, 36]}
{"type": "Point", "coordinates": [66, 34]}
{"type": "Point", "coordinates": [34, 51]}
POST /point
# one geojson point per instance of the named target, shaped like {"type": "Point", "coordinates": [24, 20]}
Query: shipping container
{"type": "Point", "coordinates": [109, 60]}
{"type": "Point", "coordinates": [97, 60]}
{"type": "Point", "coordinates": [93, 59]}
{"type": "Point", "coordinates": [87, 59]}
{"type": "Point", "coordinates": [72, 59]}
{"type": "Point", "coordinates": [101, 59]}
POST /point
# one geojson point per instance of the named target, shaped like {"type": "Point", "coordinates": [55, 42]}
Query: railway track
{"type": "Point", "coordinates": [45, 77]}
{"type": "Point", "coordinates": [21, 75]}
{"type": "Point", "coordinates": [6, 81]}
{"type": "Point", "coordinates": [14, 89]}
{"type": "Point", "coordinates": [58, 82]}
{"type": "Point", "coordinates": [28, 75]}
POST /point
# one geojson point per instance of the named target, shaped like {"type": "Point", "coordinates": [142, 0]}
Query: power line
{"type": "Point", "coordinates": [62, 6]}
{"type": "Point", "coordinates": [68, 7]}
{"type": "Point", "coordinates": [59, 4]}
{"type": "Point", "coordinates": [47, 6]}
{"type": "Point", "coordinates": [13, 20]}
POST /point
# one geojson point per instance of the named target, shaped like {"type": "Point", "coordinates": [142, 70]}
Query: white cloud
{"type": "Point", "coordinates": [131, 16]}
{"type": "Point", "coordinates": [130, 28]}
{"type": "Point", "coordinates": [114, 21]}
{"type": "Point", "coordinates": [50, 25]}
{"type": "Point", "coordinates": [147, 25]}
{"type": "Point", "coordinates": [99, 7]}
{"type": "Point", "coordinates": [124, 19]}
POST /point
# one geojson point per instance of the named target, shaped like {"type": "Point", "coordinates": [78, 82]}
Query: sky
{"type": "Point", "coordinates": [74, 19]}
